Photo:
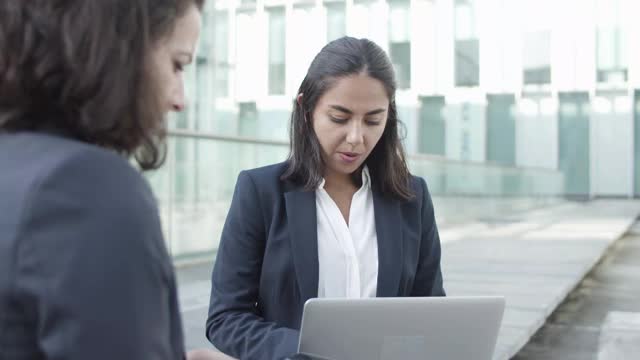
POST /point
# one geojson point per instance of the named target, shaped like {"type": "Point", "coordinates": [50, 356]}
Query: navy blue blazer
{"type": "Point", "coordinates": [267, 263]}
{"type": "Point", "coordinates": [84, 271]}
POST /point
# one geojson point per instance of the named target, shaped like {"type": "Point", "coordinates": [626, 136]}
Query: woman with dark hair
{"type": "Point", "coordinates": [84, 271]}
{"type": "Point", "coordinates": [343, 217]}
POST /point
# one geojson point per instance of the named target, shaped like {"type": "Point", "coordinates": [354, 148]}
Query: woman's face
{"type": "Point", "coordinates": [172, 54]}
{"type": "Point", "coordinates": [349, 120]}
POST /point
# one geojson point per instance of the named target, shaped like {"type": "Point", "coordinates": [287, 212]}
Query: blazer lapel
{"type": "Point", "coordinates": [389, 234]}
{"type": "Point", "coordinates": [303, 233]}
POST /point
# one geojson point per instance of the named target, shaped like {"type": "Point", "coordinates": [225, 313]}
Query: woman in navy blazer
{"type": "Point", "coordinates": [344, 143]}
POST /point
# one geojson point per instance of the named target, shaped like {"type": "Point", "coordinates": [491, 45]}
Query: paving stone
{"type": "Point", "coordinates": [620, 337]}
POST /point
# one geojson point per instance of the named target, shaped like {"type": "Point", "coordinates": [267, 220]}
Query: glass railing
{"type": "Point", "coordinates": [195, 186]}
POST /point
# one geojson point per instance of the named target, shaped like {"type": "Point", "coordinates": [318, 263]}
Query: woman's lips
{"type": "Point", "coordinates": [349, 157]}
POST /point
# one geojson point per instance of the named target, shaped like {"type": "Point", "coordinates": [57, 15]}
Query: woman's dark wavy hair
{"type": "Point", "coordinates": [81, 67]}
{"type": "Point", "coordinates": [338, 59]}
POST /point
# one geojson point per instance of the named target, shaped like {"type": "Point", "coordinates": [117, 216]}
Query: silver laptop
{"type": "Point", "coordinates": [424, 328]}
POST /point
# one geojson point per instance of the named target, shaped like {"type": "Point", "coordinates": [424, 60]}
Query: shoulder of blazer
{"type": "Point", "coordinates": [418, 185]}
{"type": "Point", "coordinates": [266, 183]}
{"type": "Point", "coordinates": [43, 156]}
{"type": "Point", "coordinates": [267, 179]}
{"type": "Point", "coordinates": [269, 172]}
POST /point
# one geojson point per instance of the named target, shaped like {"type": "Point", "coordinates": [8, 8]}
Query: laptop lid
{"type": "Point", "coordinates": [409, 328]}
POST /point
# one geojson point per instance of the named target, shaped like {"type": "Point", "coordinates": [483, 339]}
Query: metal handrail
{"type": "Point", "coordinates": [191, 134]}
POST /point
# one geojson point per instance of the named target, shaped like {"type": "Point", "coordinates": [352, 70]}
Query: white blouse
{"type": "Point", "coordinates": [347, 254]}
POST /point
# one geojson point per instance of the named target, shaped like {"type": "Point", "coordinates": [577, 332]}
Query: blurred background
{"type": "Point", "coordinates": [507, 105]}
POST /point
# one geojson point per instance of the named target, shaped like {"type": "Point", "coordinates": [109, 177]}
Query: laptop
{"type": "Point", "coordinates": [408, 328]}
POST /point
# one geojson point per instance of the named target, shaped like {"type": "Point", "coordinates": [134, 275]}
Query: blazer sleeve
{"type": "Point", "coordinates": [428, 280]}
{"type": "Point", "coordinates": [234, 325]}
{"type": "Point", "coordinates": [92, 266]}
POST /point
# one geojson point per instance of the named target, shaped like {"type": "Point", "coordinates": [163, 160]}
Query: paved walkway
{"type": "Point", "coordinates": [534, 259]}
{"type": "Point", "coordinates": [601, 318]}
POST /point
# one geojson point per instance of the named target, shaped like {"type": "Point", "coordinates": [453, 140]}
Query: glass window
{"type": "Point", "coordinates": [204, 102]}
{"type": "Point", "coordinates": [537, 58]}
{"type": "Point", "coordinates": [249, 59]}
{"type": "Point", "coordinates": [400, 43]}
{"type": "Point", "coordinates": [276, 51]}
{"type": "Point", "coordinates": [336, 21]}
{"type": "Point", "coordinates": [610, 62]}
{"type": "Point", "coordinates": [221, 54]}
{"type": "Point", "coordinates": [362, 19]}
{"type": "Point", "coordinates": [610, 43]}
{"type": "Point", "coordinates": [467, 47]}
{"type": "Point", "coordinates": [247, 119]}
{"type": "Point", "coordinates": [464, 20]}
{"type": "Point", "coordinates": [180, 151]}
